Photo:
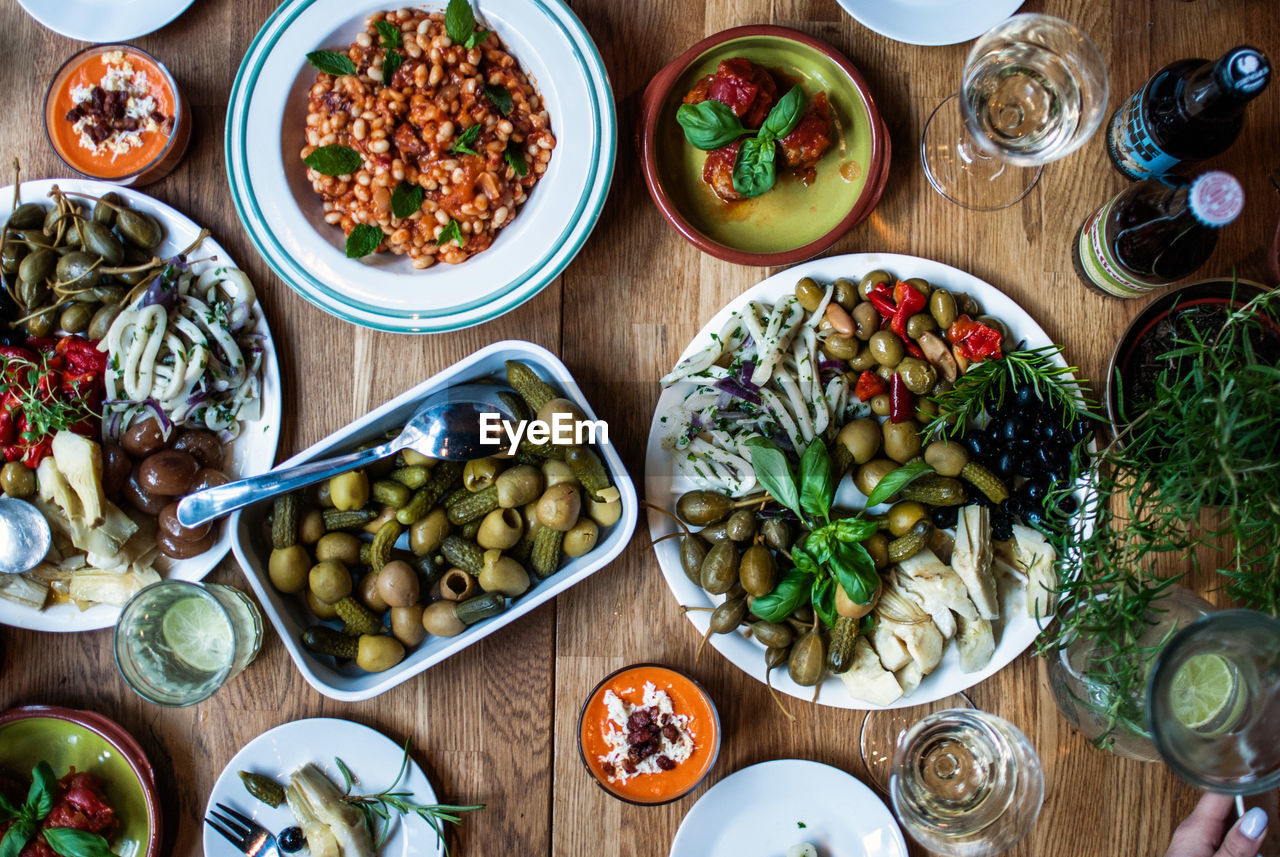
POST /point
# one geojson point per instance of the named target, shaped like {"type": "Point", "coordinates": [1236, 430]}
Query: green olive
{"type": "Point", "coordinates": [926, 409]}
{"type": "Point", "coordinates": [51, 217]}
{"type": "Point", "coordinates": [340, 547]}
{"type": "Point", "coordinates": [773, 634]}
{"type": "Point", "coordinates": [901, 440]}
{"type": "Point", "coordinates": [11, 256]}
{"type": "Point", "coordinates": [503, 574]}
{"type": "Point", "coordinates": [880, 405]}
{"type": "Point", "coordinates": [479, 474]}
{"type": "Point", "coordinates": [582, 537]}
{"type": "Point", "coordinates": [561, 415]}
{"type": "Point", "coordinates": [558, 472]}
{"type": "Point", "coordinates": [288, 567]}
{"type": "Point", "coordinates": [995, 324]}
{"type": "Point", "coordinates": [777, 534]}
{"type": "Point", "coordinates": [397, 584]}
{"type": "Point", "coordinates": [903, 516]}
{"type": "Point", "coordinates": [861, 362]}
{"type": "Point", "coordinates": [921, 285]}
{"type": "Point", "coordinates": [43, 324]}
{"type": "Point", "coordinates": [728, 615]}
{"type": "Point", "coordinates": [29, 215]}
{"type": "Point", "coordinates": [427, 534]}
{"type": "Point", "coordinates": [369, 594]}
{"type": "Point", "coordinates": [700, 508]}
{"type": "Point", "coordinates": [758, 573]}
{"type": "Point", "coordinates": [920, 324]}
{"type": "Point", "coordinates": [713, 534]}
{"type": "Point", "coordinates": [349, 490]}
{"type": "Point", "coordinates": [604, 514]}
{"type": "Point", "coordinates": [942, 306]}
{"type": "Point", "coordinates": [741, 525]}
{"type": "Point", "coordinates": [868, 476]}
{"type": "Point", "coordinates": [968, 305]}
{"type": "Point", "coordinates": [886, 348]}
{"type": "Point", "coordinates": [845, 293]}
{"type": "Point", "coordinates": [76, 318]}
{"type": "Point", "coordinates": [692, 553]}
{"type": "Point", "coordinates": [17, 480]}
{"type": "Point", "coordinates": [139, 229]}
{"type": "Point", "coordinates": [439, 619]}
{"type": "Point", "coordinates": [873, 278]}
{"type": "Point", "coordinates": [809, 293]}
{"type": "Point", "coordinates": [38, 266]}
{"type": "Point", "coordinates": [720, 568]}
{"type": "Point", "coordinates": [918, 375]}
{"type": "Point", "coordinates": [406, 625]}
{"type": "Point", "coordinates": [102, 320]}
{"type": "Point", "coordinates": [866, 320]}
{"type": "Point", "coordinates": [837, 346]}
{"type": "Point", "coordinates": [320, 609]}
{"type": "Point", "coordinates": [103, 212]}
{"type": "Point", "coordinates": [946, 458]}
{"type": "Point", "coordinates": [877, 545]}
{"type": "Point", "coordinates": [559, 507]}
{"type": "Point", "coordinates": [107, 294]}
{"type": "Point", "coordinates": [378, 652]}
{"type": "Point", "coordinates": [32, 294]}
{"type": "Point", "coordinates": [519, 485]}
{"type": "Point", "coordinates": [99, 240]}
{"type": "Point", "coordinates": [862, 439]}
{"type": "Point", "coordinates": [78, 270]}
{"type": "Point", "coordinates": [808, 659]}
{"type": "Point", "coordinates": [846, 606]}
{"type": "Point", "coordinates": [776, 656]}
{"type": "Point", "coordinates": [501, 529]}
{"type": "Point", "coordinates": [330, 581]}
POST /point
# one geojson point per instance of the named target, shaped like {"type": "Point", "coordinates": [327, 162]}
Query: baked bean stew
{"type": "Point", "coordinates": [463, 124]}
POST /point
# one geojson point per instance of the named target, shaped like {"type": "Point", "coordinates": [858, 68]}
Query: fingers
{"type": "Point", "coordinates": [1246, 835]}
{"type": "Point", "coordinates": [1201, 832]}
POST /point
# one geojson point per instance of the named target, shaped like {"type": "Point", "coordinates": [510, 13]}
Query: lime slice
{"type": "Point", "coordinates": [199, 634]}
{"type": "Point", "coordinates": [1202, 689]}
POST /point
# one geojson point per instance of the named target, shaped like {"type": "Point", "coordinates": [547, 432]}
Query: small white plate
{"type": "Point", "coordinates": [765, 809]}
{"type": "Point", "coordinates": [101, 21]}
{"type": "Point", "coordinates": [930, 22]}
{"type": "Point", "coordinates": [372, 758]}
{"type": "Point", "coordinates": [252, 452]}
{"type": "Point", "coordinates": [284, 217]}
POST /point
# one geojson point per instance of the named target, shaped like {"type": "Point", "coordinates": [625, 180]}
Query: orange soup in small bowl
{"type": "Point", "coordinates": [649, 734]}
{"type": "Point", "coordinates": [114, 112]}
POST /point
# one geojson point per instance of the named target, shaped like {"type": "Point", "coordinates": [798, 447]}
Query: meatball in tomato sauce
{"type": "Point", "coordinates": [809, 140]}
{"type": "Point", "coordinates": [717, 172]}
{"type": "Point", "coordinates": [742, 86]}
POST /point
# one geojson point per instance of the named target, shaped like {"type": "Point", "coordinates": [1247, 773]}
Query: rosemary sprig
{"type": "Point", "coordinates": [378, 808]}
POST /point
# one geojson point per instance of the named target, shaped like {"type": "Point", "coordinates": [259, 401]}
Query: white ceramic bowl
{"type": "Point", "coordinates": [285, 219]}
{"type": "Point", "coordinates": [101, 21]}
{"type": "Point", "coordinates": [290, 616]}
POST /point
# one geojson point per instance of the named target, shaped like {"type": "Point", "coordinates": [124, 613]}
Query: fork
{"type": "Point", "coordinates": [243, 832]}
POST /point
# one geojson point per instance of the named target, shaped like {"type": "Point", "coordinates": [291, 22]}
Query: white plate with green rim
{"type": "Point", "coordinates": [930, 22]}
{"type": "Point", "coordinates": [284, 216]}
{"type": "Point", "coordinates": [101, 21]}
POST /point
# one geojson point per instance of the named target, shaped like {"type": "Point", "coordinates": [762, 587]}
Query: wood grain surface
{"type": "Point", "coordinates": [497, 723]}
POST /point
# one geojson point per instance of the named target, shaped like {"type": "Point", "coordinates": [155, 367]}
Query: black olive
{"type": "Point", "coordinates": [291, 840]}
{"type": "Point", "coordinates": [1013, 507]}
{"type": "Point", "coordinates": [1033, 492]}
{"type": "Point", "coordinates": [1009, 429]}
{"type": "Point", "coordinates": [945, 517]}
{"type": "Point", "coordinates": [1024, 395]}
{"type": "Point", "coordinates": [1049, 430]}
{"type": "Point", "coordinates": [1028, 467]}
{"type": "Point", "coordinates": [1068, 504]}
{"type": "Point", "coordinates": [980, 499]}
{"type": "Point", "coordinates": [1001, 526]}
{"type": "Point", "coordinates": [1081, 429]}
{"type": "Point", "coordinates": [977, 444]}
{"type": "Point", "coordinates": [1032, 517]}
{"type": "Point", "coordinates": [1006, 466]}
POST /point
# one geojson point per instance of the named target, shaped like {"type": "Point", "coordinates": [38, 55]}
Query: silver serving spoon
{"type": "Point", "coordinates": [446, 425]}
{"type": "Point", "coordinates": [24, 536]}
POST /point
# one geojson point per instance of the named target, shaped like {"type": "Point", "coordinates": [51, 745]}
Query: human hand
{"type": "Point", "coordinates": [1201, 834]}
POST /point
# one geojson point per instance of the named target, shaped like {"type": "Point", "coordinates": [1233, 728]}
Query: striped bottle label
{"type": "Point", "coordinates": [1099, 263]}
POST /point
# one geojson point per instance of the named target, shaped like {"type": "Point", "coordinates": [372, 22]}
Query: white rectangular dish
{"type": "Point", "coordinates": [290, 617]}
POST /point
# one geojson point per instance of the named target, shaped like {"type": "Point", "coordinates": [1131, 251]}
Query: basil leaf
{"type": "Point", "coordinates": [805, 561]}
{"type": "Point", "coordinates": [332, 62]}
{"type": "Point", "coordinates": [823, 597]}
{"type": "Point", "coordinates": [500, 96]}
{"type": "Point", "coordinates": [476, 38]}
{"type": "Point", "coordinates": [44, 785]}
{"type": "Point", "coordinates": [452, 232]}
{"type": "Point", "coordinates": [817, 488]}
{"type": "Point", "coordinates": [17, 836]}
{"type": "Point", "coordinates": [390, 33]}
{"type": "Point", "coordinates": [515, 158]}
{"type": "Point", "coordinates": [391, 61]}
{"type": "Point", "coordinates": [459, 21]}
{"type": "Point", "coordinates": [77, 843]}
{"type": "Point", "coordinates": [755, 172]}
{"type": "Point", "coordinates": [7, 810]}
{"type": "Point", "coordinates": [851, 530]}
{"type": "Point", "coordinates": [867, 624]}
{"type": "Point", "coordinates": [785, 115]}
{"type": "Point", "coordinates": [334, 160]}
{"type": "Point", "coordinates": [855, 571]}
{"type": "Point", "coordinates": [791, 592]}
{"type": "Point", "coordinates": [895, 480]}
{"type": "Point", "coordinates": [774, 472]}
{"type": "Point", "coordinates": [406, 199]}
{"type": "Point", "coordinates": [709, 124]}
{"type": "Point", "coordinates": [463, 145]}
{"type": "Point", "coordinates": [363, 240]}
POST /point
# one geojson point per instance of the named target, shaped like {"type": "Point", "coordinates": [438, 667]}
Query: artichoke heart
{"type": "Point", "coordinates": [338, 827]}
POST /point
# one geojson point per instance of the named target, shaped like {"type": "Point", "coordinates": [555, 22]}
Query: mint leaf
{"type": "Point", "coordinates": [475, 39]}
{"type": "Point", "coordinates": [755, 170]}
{"type": "Point", "coordinates": [332, 62]}
{"type": "Point", "coordinates": [391, 61]}
{"type": "Point", "coordinates": [77, 843]}
{"type": "Point", "coordinates": [467, 139]}
{"type": "Point", "coordinates": [406, 199]}
{"type": "Point", "coordinates": [452, 232]}
{"type": "Point", "coordinates": [390, 33]}
{"type": "Point", "coordinates": [785, 115]}
{"type": "Point", "coordinates": [334, 160]}
{"type": "Point", "coordinates": [515, 158]}
{"type": "Point", "coordinates": [500, 96]}
{"type": "Point", "coordinates": [459, 21]}
{"type": "Point", "coordinates": [363, 240]}
{"type": "Point", "coordinates": [895, 480]}
{"type": "Point", "coordinates": [709, 124]}
{"type": "Point", "coordinates": [774, 472]}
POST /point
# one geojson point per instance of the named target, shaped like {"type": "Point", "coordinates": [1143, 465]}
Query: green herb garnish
{"type": "Point", "coordinates": [460, 24]}
{"type": "Point", "coordinates": [500, 96]}
{"type": "Point", "coordinates": [466, 140]}
{"type": "Point", "coordinates": [391, 61]}
{"type": "Point", "coordinates": [711, 125]}
{"type": "Point", "coordinates": [515, 159]}
{"type": "Point", "coordinates": [406, 199]}
{"type": "Point", "coordinates": [755, 169]}
{"type": "Point", "coordinates": [27, 817]}
{"type": "Point", "coordinates": [452, 232]}
{"type": "Point", "coordinates": [363, 240]}
{"type": "Point", "coordinates": [335, 160]}
{"type": "Point", "coordinates": [332, 62]}
{"type": "Point", "coordinates": [390, 34]}
{"type": "Point", "coordinates": [895, 480]}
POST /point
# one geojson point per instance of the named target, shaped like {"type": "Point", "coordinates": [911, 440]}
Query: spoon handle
{"type": "Point", "coordinates": [211, 503]}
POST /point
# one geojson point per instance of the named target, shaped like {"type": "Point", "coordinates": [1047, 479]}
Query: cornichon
{"type": "Point", "coordinates": [540, 451]}
{"type": "Point", "coordinates": [840, 650]}
{"type": "Point", "coordinates": [349, 519]}
{"type": "Point", "coordinates": [545, 557]}
{"type": "Point", "coordinates": [985, 481]}
{"type": "Point", "coordinates": [284, 522]}
{"type": "Point", "coordinates": [912, 543]}
{"type": "Point", "coordinates": [484, 606]}
{"type": "Point", "coordinates": [523, 549]}
{"type": "Point", "coordinates": [323, 640]}
{"type": "Point", "coordinates": [472, 507]}
{"type": "Point", "coordinates": [411, 477]}
{"type": "Point", "coordinates": [263, 787]}
{"type": "Point", "coordinates": [589, 469]}
{"type": "Point", "coordinates": [935, 491]}
{"type": "Point", "coordinates": [535, 391]}
{"type": "Point", "coordinates": [357, 618]}
{"type": "Point", "coordinates": [390, 493]}
{"type": "Point", "coordinates": [471, 529]}
{"type": "Point", "coordinates": [466, 555]}
{"type": "Point", "coordinates": [383, 541]}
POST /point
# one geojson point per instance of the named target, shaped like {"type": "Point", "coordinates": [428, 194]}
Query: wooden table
{"type": "Point", "coordinates": [496, 724]}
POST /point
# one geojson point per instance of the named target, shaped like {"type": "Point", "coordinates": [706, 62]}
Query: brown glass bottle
{"type": "Point", "coordinates": [1154, 232]}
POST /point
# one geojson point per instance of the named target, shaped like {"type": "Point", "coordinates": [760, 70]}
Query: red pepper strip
{"type": "Point", "coordinates": [43, 344]}
{"type": "Point", "coordinates": [976, 340]}
{"type": "Point", "coordinates": [914, 350]}
{"type": "Point", "coordinates": [82, 354]}
{"type": "Point", "coordinates": [909, 302]}
{"type": "Point", "coordinates": [902, 405]}
{"type": "Point", "coordinates": [882, 299]}
{"type": "Point", "coordinates": [869, 386]}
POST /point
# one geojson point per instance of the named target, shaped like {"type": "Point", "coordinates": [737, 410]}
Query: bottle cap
{"type": "Point", "coordinates": [1216, 198]}
{"type": "Point", "coordinates": [1245, 70]}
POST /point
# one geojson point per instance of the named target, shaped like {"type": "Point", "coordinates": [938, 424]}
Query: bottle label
{"type": "Point", "coordinates": [1100, 265]}
{"type": "Point", "coordinates": [1130, 145]}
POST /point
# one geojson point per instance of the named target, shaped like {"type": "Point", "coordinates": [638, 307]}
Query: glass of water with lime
{"type": "Point", "coordinates": [177, 642]}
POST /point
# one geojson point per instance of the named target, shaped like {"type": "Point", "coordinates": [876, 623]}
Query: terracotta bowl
{"type": "Point", "coordinates": [791, 222]}
{"type": "Point", "coordinates": [89, 742]}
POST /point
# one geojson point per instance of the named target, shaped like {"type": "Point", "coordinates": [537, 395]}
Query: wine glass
{"type": "Point", "coordinates": [882, 728]}
{"type": "Point", "coordinates": [1212, 702]}
{"type": "Point", "coordinates": [966, 783]}
{"type": "Point", "coordinates": [1034, 89]}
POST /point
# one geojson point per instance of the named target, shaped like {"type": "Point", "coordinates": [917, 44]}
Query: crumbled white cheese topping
{"type": "Point", "coordinates": [615, 733]}
{"type": "Point", "coordinates": [120, 77]}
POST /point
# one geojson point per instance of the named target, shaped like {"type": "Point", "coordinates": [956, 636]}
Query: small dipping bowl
{"type": "Point", "coordinates": [790, 222]}
{"type": "Point", "coordinates": [161, 149]}
{"type": "Point", "coordinates": [687, 698]}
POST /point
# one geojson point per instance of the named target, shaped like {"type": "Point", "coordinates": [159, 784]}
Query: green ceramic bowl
{"type": "Point", "coordinates": [89, 742]}
{"type": "Point", "coordinates": [791, 222]}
